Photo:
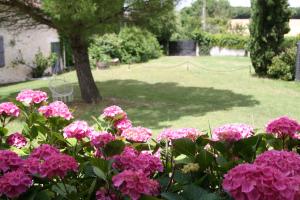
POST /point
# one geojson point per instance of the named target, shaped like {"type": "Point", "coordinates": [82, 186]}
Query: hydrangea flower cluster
{"type": "Point", "coordinates": [122, 124]}
{"type": "Point", "coordinates": [130, 159]}
{"type": "Point", "coordinates": [135, 184]}
{"type": "Point", "coordinates": [58, 165]}
{"type": "Point", "coordinates": [16, 140]}
{"type": "Point", "coordinates": [43, 152]}
{"type": "Point", "coordinates": [9, 161]}
{"type": "Point", "coordinates": [103, 194]}
{"type": "Point", "coordinates": [56, 109]}
{"type": "Point", "coordinates": [137, 134]}
{"type": "Point", "coordinates": [232, 132]}
{"type": "Point", "coordinates": [170, 134]}
{"type": "Point", "coordinates": [78, 130]}
{"type": "Point", "coordinates": [29, 97]}
{"type": "Point", "coordinates": [283, 126]}
{"type": "Point", "coordinates": [273, 175]}
{"type": "Point", "coordinates": [14, 183]}
{"type": "Point", "coordinates": [100, 139]}
{"type": "Point", "coordinates": [9, 109]}
{"type": "Point", "coordinates": [114, 113]}
{"type": "Point", "coordinates": [47, 161]}
{"type": "Point", "coordinates": [252, 182]}
{"type": "Point", "coordinates": [286, 162]}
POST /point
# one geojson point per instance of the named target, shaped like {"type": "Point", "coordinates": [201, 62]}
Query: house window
{"type": "Point", "coordinates": [2, 61]}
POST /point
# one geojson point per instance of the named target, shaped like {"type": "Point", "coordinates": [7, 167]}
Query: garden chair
{"type": "Point", "coordinates": [61, 90]}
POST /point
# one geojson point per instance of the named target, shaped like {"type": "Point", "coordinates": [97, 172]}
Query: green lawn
{"type": "Point", "coordinates": [166, 93]}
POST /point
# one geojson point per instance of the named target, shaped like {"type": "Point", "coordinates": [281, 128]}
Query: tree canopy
{"type": "Point", "coordinates": [78, 20]}
{"type": "Point", "coordinates": [217, 16]}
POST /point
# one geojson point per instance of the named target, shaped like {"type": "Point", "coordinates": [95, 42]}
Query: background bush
{"type": "Point", "coordinates": [131, 45]}
{"type": "Point", "coordinates": [41, 63]}
{"type": "Point", "coordinates": [206, 41]}
{"type": "Point", "coordinates": [283, 65]}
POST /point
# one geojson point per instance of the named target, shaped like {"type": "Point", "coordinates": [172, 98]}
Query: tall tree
{"type": "Point", "coordinates": [162, 25]}
{"type": "Point", "coordinates": [269, 23]}
{"type": "Point", "coordinates": [218, 13]}
{"type": "Point", "coordinates": [77, 20]}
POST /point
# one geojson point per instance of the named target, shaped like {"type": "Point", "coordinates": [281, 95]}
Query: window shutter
{"type": "Point", "coordinates": [2, 61]}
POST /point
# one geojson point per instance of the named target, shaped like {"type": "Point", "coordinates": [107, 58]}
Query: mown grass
{"type": "Point", "coordinates": [199, 92]}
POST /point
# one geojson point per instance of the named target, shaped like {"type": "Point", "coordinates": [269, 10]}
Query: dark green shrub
{"type": "Point", "coordinates": [138, 45]}
{"type": "Point", "coordinates": [230, 41]}
{"type": "Point", "coordinates": [290, 41]}
{"type": "Point", "coordinates": [205, 42]}
{"type": "Point", "coordinates": [283, 65]}
{"type": "Point", "coordinates": [105, 48]}
{"type": "Point", "coordinates": [131, 45]}
{"type": "Point", "coordinates": [41, 63]}
{"type": "Point", "coordinates": [269, 23]}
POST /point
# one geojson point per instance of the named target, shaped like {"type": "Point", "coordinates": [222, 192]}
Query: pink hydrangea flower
{"type": "Point", "coordinates": [170, 134]}
{"type": "Point", "coordinates": [232, 132]}
{"type": "Point", "coordinates": [29, 97]}
{"type": "Point", "coordinates": [137, 134]}
{"type": "Point", "coordinates": [9, 161]}
{"type": "Point", "coordinates": [286, 162]}
{"type": "Point", "coordinates": [123, 124]}
{"type": "Point", "coordinates": [253, 182]}
{"type": "Point", "coordinates": [32, 166]}
{"type": "Point", "coordinates": [283, 126]}
{"type": "Point", "coordinates": [135, 184]}
{"type": "Point", "coordinates": [104, 194]}
{"type": "Point", "coordinates": [100, 139]}
{"type": "Point", "coordinates": [56, 109]}
{"type": "Point", "coordinates": [78, 130]}
{"type": "Point", "coordinates": [58, 165]}
{"type": "Point", "coordinates": [130, 159]}
{"type": "Point", "coordinates": [13, 184]}
{"type": "Point", "coordinates": [114, 113]}
{"type": "Point", "coordinates": [44, 152]}
{"type": "Point", "coordinates": [9, 109]}
{"type": "Point", "coordinates": [17, 140]}
{"type": "Point", "coordinates": [191, 133]}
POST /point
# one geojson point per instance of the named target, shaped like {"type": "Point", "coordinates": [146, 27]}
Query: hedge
{"type": "Point", "coordinates": [206, 41]}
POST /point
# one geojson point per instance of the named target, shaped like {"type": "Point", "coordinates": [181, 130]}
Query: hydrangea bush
{"type": "Point", "coordinates": [56, 156]}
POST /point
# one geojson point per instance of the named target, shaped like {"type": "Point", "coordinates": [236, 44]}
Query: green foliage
{"type": "Point", "coordinates": [206, 41]}
{"type": "Point", "coordinates": [290, 42]}
{"type": "Point", "coordinates": [218, 16]}
{"type": "Point", "coordinates": [140, 45]}
{"type": "Point", "coordinates": [241, 12]}
{"type": "Point", "coordinates": [269, 23]}
{"type": "Point", "coordinates": [104, 48]}
{"type": "Point", "coordinates": [295, 13]}
{"type": "Point", "coordinates": [162, 25]}
{"type": "Point", "coordinates": [245, 13]}
{"type": "Point", "coordinates": [283, 65]}
{"type": "Point", "coordinates": [41, 63]}
{"type": "Point", "coordinates": [131, 45]}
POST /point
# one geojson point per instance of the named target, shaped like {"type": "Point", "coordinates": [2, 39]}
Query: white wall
{"type": "Point", "coordinates": [218, 51]}
{"type": "Point", "coordinates": [24, 44]}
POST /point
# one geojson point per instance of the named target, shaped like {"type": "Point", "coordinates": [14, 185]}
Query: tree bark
{"type": "Point", "coordinates": [88, 88]}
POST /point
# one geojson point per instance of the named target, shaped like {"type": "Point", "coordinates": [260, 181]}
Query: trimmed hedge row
{"type": "Point", "coordinates": [206, 41]}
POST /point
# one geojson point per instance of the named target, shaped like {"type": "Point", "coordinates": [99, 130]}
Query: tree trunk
{"type": "Point", "coordinates": [88, 88]}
